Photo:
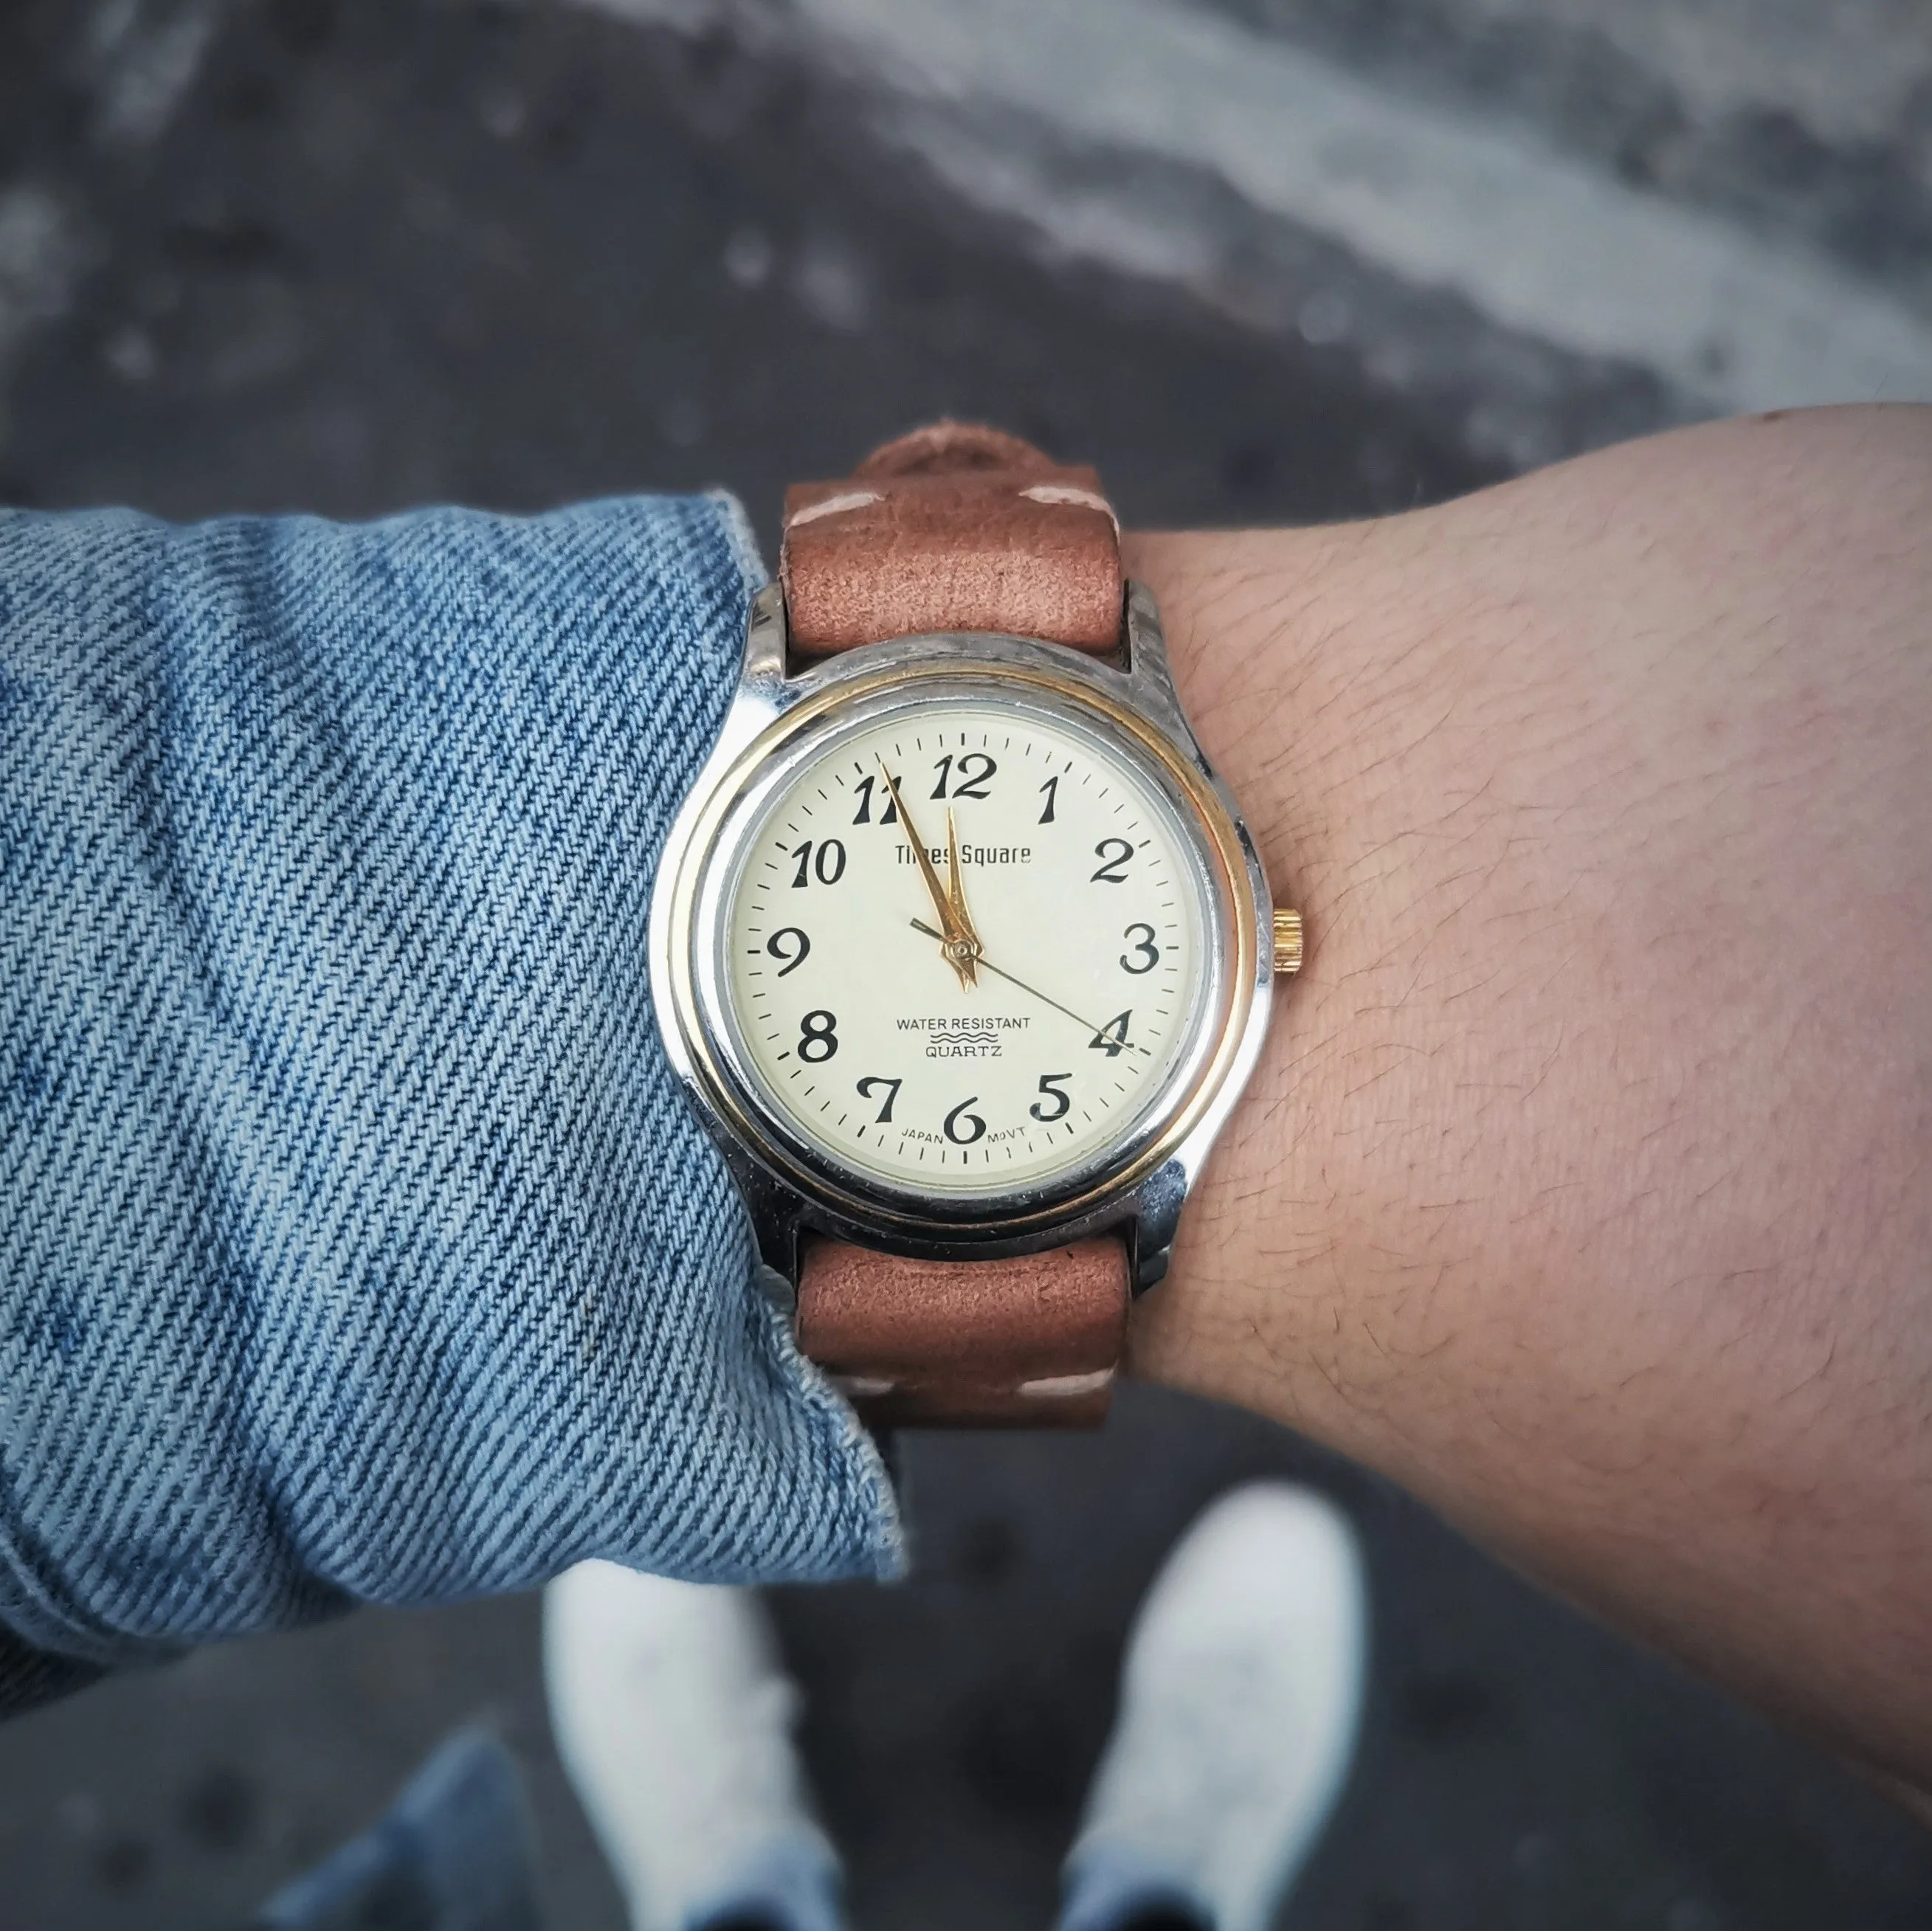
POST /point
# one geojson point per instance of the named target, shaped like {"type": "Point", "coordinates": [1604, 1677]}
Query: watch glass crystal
{"type": "Point", "coordinates": [965, 942]}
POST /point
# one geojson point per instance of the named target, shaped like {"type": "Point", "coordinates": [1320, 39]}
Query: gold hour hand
{"type": "Point", "coordinates": [960, 950]}
{"type": "Point", "coordinates": [955, 890]}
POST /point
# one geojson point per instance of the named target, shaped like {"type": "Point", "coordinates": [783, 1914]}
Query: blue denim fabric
{"type": "Point", "coordinates": [356, 1242]}
{"type": "Point", "coordinates": [456, 1851]}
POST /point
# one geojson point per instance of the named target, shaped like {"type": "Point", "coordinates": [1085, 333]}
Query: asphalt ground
{"type": "Point", "coordinates": [371, 256]}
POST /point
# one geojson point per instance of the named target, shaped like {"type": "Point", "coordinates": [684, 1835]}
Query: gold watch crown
{"type": "Point", "coordinates": [1288, 941]}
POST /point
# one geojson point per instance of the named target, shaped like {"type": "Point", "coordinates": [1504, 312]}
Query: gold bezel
{"type": "Point", "coordinates": [956, 1218]}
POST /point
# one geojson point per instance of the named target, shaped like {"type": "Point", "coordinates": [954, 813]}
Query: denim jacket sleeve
{"type": "Point", "coordinates": [355, 1244]}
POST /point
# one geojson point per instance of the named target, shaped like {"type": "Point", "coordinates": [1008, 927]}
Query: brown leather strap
{"type": "Point", "coordinates": [954, 527]}
{"type": "Point", "coordinates": [1030, 1342]}
{"type": "Point", "coordinates": [959, 527]}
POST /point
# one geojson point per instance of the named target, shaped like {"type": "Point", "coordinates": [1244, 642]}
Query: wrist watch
{"type": "Point", "coordinates": [960, 946]}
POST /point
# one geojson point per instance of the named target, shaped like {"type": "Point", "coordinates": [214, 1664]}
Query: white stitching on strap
{"type": "Point", "coordinates": [1053, 494]}
{"type": "Point", "coordinates": [1065, 1387]}
{"type": "Point", "coordinates": [863, 1387]}
{"type": "Point", "coordinates": [852, 499]}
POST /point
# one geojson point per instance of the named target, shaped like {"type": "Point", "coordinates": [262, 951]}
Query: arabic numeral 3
{"type": "Point", "coordinates": [1144, 949]}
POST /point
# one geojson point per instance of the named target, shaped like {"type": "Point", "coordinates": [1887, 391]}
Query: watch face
{"type": "Point", "coordinates": [966, 941]}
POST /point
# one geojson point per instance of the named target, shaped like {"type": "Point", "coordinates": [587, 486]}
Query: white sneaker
{"type": "Point", "coordinates": [1240, 1702]}
{"type": "Point", "coordinates": [673, 1716]}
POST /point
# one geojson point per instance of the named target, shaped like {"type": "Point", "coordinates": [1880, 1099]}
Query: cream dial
{"type": "Point", "coordinates": [1002, 1014]}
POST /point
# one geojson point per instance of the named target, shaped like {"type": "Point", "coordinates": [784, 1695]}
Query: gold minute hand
{"type": "Point", "coordinates": [960, 950]}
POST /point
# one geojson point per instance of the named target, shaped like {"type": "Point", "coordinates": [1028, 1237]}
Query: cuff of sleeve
{"type": "Point", "coordinates": [369, 1250]}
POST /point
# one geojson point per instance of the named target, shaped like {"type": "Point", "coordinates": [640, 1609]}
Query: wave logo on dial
{"type": "Point", "coordinates": [962, 1042]}
{"type": "Point", "coordinates": [957, 1038]}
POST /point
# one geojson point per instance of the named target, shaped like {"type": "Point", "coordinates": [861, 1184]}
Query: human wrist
{"type": "Point", "coordinates": [1276, 654]}
{"type": "Point", "coordinates": [1576, 1189]}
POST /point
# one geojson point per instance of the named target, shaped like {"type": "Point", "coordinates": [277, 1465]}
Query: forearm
{"type": "Point", "coordinates": [1580, 1189]}
{"type": "Point", "coordinates": [356, 1241]}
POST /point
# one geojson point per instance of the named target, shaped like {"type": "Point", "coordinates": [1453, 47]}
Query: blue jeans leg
{"type": "Point", "coordinates": [456, 1852]}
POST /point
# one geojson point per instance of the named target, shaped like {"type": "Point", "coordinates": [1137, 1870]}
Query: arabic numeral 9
{"type": "Point", "coordinates": [790, 947]}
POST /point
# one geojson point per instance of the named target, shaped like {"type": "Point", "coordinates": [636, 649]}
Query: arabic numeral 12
{"type": "Point", "coordinates": [975, 773]}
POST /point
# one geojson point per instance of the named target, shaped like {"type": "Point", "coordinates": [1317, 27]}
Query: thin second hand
{"type": "Point", "coordinates": [1046, 999]}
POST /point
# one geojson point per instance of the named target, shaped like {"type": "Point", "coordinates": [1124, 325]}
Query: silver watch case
{"type": "Point", "coordinates": [789, 1186]}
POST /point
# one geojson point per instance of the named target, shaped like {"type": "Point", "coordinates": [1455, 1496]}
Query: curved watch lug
{"type": "Point", "coordinates": [765, 641]}
{"type": "Point", "coordinates": [1150, 675]}
{"type": "Point", "coordinates": [1157, 1205]}
{"type": "Point", "coordinates": [774, 1211]}
{"type": "Point", "coordinates": [1146, 642]}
